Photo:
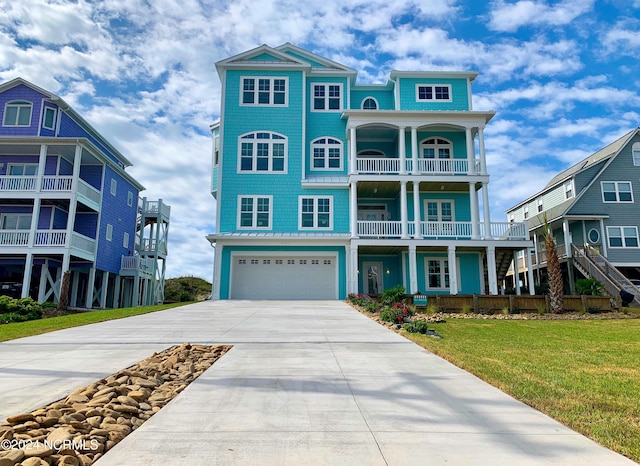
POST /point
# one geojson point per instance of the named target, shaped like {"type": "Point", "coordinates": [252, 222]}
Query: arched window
{"type": "Point", "coordinates": [262, 151]}
{"type": "Point", "coordinates": [17, 113]}
{"type": "Point", "coordinates": [326, 154]}
{"type": "Point", "coordinates": [433, 148]}
{"type": "Point", "coordinates": [369, 104]}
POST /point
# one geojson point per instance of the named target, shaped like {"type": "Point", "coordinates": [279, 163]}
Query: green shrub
{"type": "Point", "coordinates": [419, 326]}
{"type": "Point", "coordinates": [589, 286]}
{"type": "Point", "coordinates": [19, 310]}
{"type": "Point", "coordinates": [393, 295]}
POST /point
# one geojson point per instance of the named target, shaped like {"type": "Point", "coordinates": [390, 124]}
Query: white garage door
{"type": "Point", "coordinates": [284, 277]}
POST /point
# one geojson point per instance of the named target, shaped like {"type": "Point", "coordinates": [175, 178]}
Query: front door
{"type": "Point", "coordinates": [372, 279]}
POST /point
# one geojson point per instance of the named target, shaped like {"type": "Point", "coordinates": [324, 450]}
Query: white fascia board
{"type": "Point", "coordinates": [471, 75]}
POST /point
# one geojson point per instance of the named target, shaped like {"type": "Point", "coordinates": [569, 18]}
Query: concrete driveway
{"type": "Point", "coordinates": [307, 382]}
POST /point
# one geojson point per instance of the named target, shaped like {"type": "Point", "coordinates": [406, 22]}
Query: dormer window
{"type": "Point", "coordinates": [17, 113]}
{"type": "Point", "coordinates": [369, 104]}
{"type": "Point", "coordinates": [49, 120]}
{"type": "Point", "coordinates": [433, 92]}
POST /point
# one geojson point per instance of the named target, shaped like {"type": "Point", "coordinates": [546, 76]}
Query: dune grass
{"type": "Point", "coordinates": [585, 374]}
{"type": "Point", "coordinates": [36, 327]}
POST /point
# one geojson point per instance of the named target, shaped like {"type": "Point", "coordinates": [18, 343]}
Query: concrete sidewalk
{"type": "Point", "coordinates": [306, 383]}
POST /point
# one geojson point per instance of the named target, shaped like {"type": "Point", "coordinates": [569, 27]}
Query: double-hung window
{"type": "Point", "coordinates": [49, 119]}
{"type": "Point", "coordinates": [327, 97]}
{"type": "Point", "coordinates": [327, 154]}
{"type": "Point", "coordinates": [433, 92]}
{"type": "Point", "coordinates": [263, 152]}
{"type": "Point", "coordinates": [623, 237]}
{"type": "Point", "coordinates": [616, 191]}
{"type": "Point", "coordinates": [16, 221]}
{"type": "Point", "coordinates": [316, 213]}
{"type": "Point", "coordinates": [635, 153]}
{"type": "Point", "coordinates": [264, 91]}
{"type": "Point", "coordinates": [568, 190]}
{"type": "Point", "coordinates": [17, 113]}
{"type": "Point", "coordinates": [254, 212]}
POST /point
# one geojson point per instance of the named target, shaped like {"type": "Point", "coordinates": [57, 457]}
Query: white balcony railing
{"type": "Point", "coordinates": [88, 191]}
{"type": "Point", "coordinates": [14, 237]}
{"type": "Point", "coordinates": [149, 245]}
{"type": "Point", "coordinates": [446, 229]}
{"type": "Point", "coordinates": [389, 229]}
{"type": "Point", "coordinates": [57, 183]}
{"type": "Point", "coordinates": [458, 230]}
{"type": "Point", "coordinates": [83, 243]}
{"type": "Point", "coordinates": [136, 264]}
{"type": "Point", "coordinates": [425, 166]}
{"type": "Point", "coordinates": [50, 238]}
{"type": "Point", "coordinates": [18, 183]}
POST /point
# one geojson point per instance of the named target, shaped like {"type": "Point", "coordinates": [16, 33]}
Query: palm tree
{"type": "Point", "coordinates": [556, 284]}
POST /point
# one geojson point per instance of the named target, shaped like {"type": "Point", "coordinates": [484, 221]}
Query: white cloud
{"type": "Point", "coordinates": [511, 16]}
{"type": "Point", "coordinates": [623, 38]}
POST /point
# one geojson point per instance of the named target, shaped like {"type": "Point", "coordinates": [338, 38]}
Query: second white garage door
{"type": "Point", "coordinates": [284, 277]}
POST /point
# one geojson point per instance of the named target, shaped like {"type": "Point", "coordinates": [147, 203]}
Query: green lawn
{"type": "Point", "coordinates": [585, 374]}
{"type": "Point", "coordinates": [36, 327]}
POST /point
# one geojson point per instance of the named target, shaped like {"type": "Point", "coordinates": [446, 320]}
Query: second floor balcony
{"type": "Point", "coordinates": [386, 229]}
{"type": "Point", "coordinates": [392, 166]}
{"type": "Point", "coordinates": [48, 238]}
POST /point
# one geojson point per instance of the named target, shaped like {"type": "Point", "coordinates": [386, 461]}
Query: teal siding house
{"type": "Point", "coordinates": [326, 187]}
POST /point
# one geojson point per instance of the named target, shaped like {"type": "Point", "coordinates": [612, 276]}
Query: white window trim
{"type": "Point", "coordinates": [254, 219]}
{"type": "Point", "coordinates": [624, 245]}
{"type": "Point", "coordinates": [114, 187]}
{"type": "Point", "coordinates": [525, 212]}
{"type": "Point", "coordinates": [635, 154]}
{"type": "Point", "coordinates": [569, 192]}
{"type": "Point", "coordinates": [315, 213]}
{"type": "Point", "coordinates": [441, 259]}
{"type": "Point", "coordinates": [617, 192]}
{"type": "Point", "coordinates": [271, 91]}
{"type": "Point", "coordinates": [326, 146]}
{"type": "Point", "coordinates": [254, 141]}
{"type": "Point", "coordinates": [109, 233]}
{"type": "Point", "coordinates": [433, 92]}
{"type": "Point", "coordinates": [326, 97]}
{"type": "Point", "coordinates": [130, 198]}
{"type": "Point", "coordinates": [24, 165]}
{"type": "Point", "coordinates": [436, 148]}
{"type": "Point", "coordinates": [540, 205]}
{"type": "Point", "coordinates": [439, 202]}
{"type": "Point", "coordinates": [44, 118]}
{"type": "Point", "coordinates": [125, 240]}
{"type": "Point", "coordinates": [589, 236]}
{"type": "Point", "coordinates": [20, 104]}
{"type": "Point", "coordinates": [370, 109]}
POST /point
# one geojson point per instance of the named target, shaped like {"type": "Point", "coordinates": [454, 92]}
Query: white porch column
{"type": "Point", "coordinates": [567, 237]}
{"type": "Point", "coordinates": [404, 216]}
{"type": "Point", "coordinates": [26, 277]}
{"type": "Point", "coordinates": [42, 163]}
{"type": "Point", "coordinates": [453, 271]}
{"type": "Point", "coordinates": [35, 216]}
{"type": "Point", "coordinates": [402, 150]}
{"type": "Point", "coordinates": [491, 269]}
{"type": "Point", "coordinates": [413, 270]}
{"type": "Point", "coordinates": [414, 150]}
{"type": "Point", "coordinates": [470, 152]}
{"type": "Point", "coordinates": [416, 210]}
{"type": "Point", "coordinates": [103, 290]}
{"type": "Point", "coordinates": [487, 211]}
{"type": "Point", "coordinates": [44, 272]}
{"type": "Point", "coordinates": [516, 273]}
{"type": "Point", "coordinates": [217, 271]}
{"type": "Point", "coordinates": [90, 287]}
{"type": "Point", "coordinates": [353, 150]}
{"type": "Point", "coordinates": [352, 271]}
{"type": "Point", "coordinates": [603, 242]}
{"type": "Point", "coordinates": [532, 285]}
{"type": "Point", "coordinates": [475, 214]}
{"type": "Point", "coordinates": [353, 209]}
{"type": "Point", "coordinates": [483, 157]}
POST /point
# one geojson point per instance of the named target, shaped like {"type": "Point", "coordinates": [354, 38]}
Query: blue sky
{"type": "Point", "coordinates": [563, 77]}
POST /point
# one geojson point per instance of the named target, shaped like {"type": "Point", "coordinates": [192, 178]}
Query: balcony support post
{"type": "Point", "coordinates": [402, 150]}
{"type": "Point", "coordinates": [26, 277]}
{"type": "Point", "coordinates": [42, 163]}
{"type": "Point", "coordinates": [487, 211]}
{"type": "Point", "coordinates": [516, 273]}
{"type": "Point", "coordinates": [404, 222]}
{"type": "Point", "coordinates": [90, 288]}
{"type": "Point", "coordinates": [353, 208]}
{"type": "Point", "coordinates": [352, 270]}
{"type": "Point", "coordinates": [103, 290]}
{"type": "Point", "coordinates": [470, 152]}
{"type": "Point", "coordinates": [74, 289]}
{"type": "Point", "coordinates": [353, 149]}
{"type": "Point", "coordinates": [491, 270]}
{"type": "Point", "coordinates": [453, 270]}
{"type": "Point", "coordinates": [483, 157]}
{"type": "Point", "coordinates": [116, 293]}
{"type": "Point", "coordinates": [413, 269]}
{"type": "Point", "coordinates": [532, 285]}
{"type": "Point", "coordinates": [475, 223]}
{"type": "Point", "coordinates": [44, 273]}
{"type": "Point", "coordinates": [414, 150]}
{"type": "Point", "coordinates": [416, 210]}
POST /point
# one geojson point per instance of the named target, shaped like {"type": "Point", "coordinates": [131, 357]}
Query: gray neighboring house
{"type": "Point", "coordinates": [593, 211]}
